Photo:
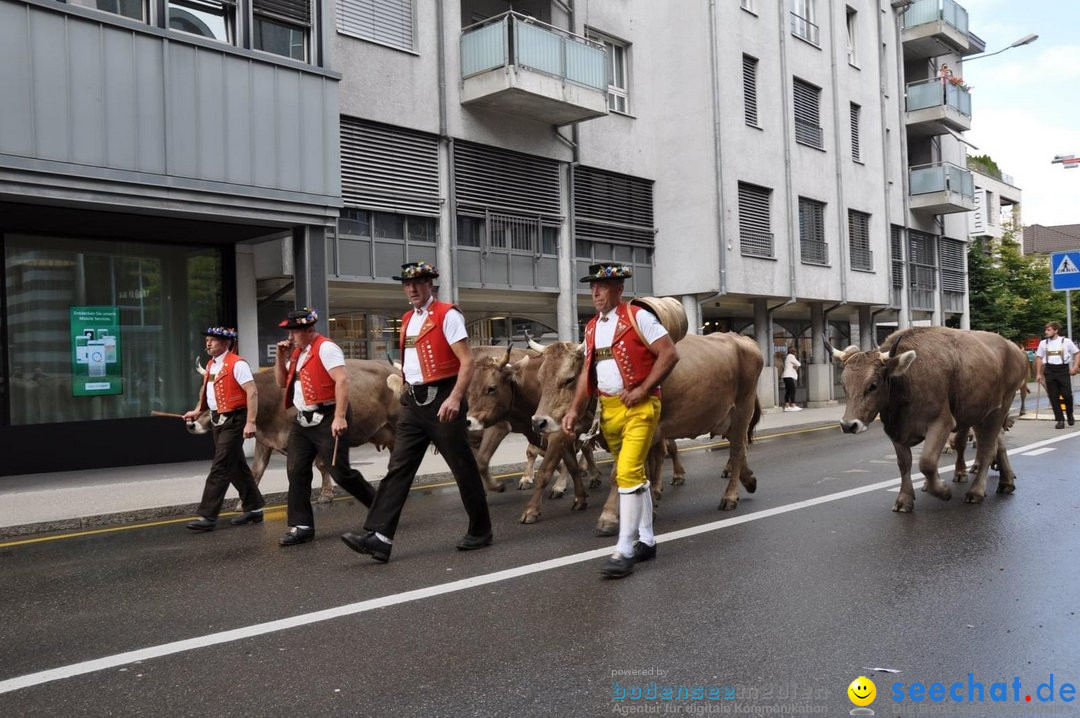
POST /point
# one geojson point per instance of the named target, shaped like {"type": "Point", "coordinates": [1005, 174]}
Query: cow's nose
{"type": "Point", "coordinates": [851, 427]}
{"type": "Point", "coordinates": [539, 423]}
{"type": "Point", "coordinates": [472, 424]}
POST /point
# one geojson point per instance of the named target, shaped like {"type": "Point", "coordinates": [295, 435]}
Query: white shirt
{"type": "Point", "coordinates": [791, 367]}
{"type": "Point", "coordinates": [453, 328]}
{"type": "Point", "coordinates": [1059, 350]}
{"type": "Point", "coordinates": [241, 372]}
{"type": "Point", "coordinates": [331, 356]}
{"type": "Point", "coordinates": [608, 378]}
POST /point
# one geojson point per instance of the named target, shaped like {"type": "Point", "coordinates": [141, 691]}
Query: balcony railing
{"type": "Point", "coordinates": [814, 252]}
{"type": "Point", "coordinates": [754, 243]}
{"type": "Point", "coordinates": [921, 12]}
{"type": "Point", "coordinates": [937, 92]}
{"type": "Point", "coordinates": [862, 259]}
{"type": "Point", "coordinates": [802, 27]}
{"type": "Point", "coordinates": [942, 177]}
{"type": "Point", "coordinates": [513, 39]}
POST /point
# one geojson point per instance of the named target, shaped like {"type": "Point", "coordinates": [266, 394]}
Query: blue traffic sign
{"type": "Point", "coordinates": [1065, 270]}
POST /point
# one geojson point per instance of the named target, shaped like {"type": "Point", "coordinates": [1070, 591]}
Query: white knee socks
{"type": "Point", "coordinates": [630, 511]}
{"type": "Point", "coordinates": [645, 530]}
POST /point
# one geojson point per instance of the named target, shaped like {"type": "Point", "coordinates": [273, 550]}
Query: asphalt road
{"type": "Point", "coordinates": [772, 609]}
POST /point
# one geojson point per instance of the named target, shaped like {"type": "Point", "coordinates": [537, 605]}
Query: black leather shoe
{"type": "Point", "coordinates": [1059, 425]}
{"type": "Point", "coordinates": [203, 525]}
{"type": "Point", "coordinates": [617, 566]}
{"type": "Point", "coordinates": [369, 544]}
{"type": "Point", "coordinates": [470, 543]}
{"type": "Point", "coordinates": [296, 535]}
{"type": "Point", "coordinates": [248, 517]}
{"type": "Point", "coordinates": [1070, 421]}
{"type": "Point", "coordinates": [644, 552]}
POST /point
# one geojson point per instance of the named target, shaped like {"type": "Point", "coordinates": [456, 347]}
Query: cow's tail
{"type": "Point", "coordinates": [753, 422]}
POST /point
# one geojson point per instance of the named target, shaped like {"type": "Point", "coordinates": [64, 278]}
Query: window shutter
{"type": "Point", "coordinates": [294, 11]}
{"type": "Point", "coordinates": [859, 240]}
{"type": "Point", "coordinates": [749, 80]}
{"type": "Point", "coordinates": [923, 261]}
{"type": "Point", "coordinates": [807, 114]}
{"type": "Point", "coordinates": [855, 154]}
{"type": "Point", "coordinates": [896, 238]}
{"type": "Point", "coordinates": [953, 253]}
{"type": "Point", "coordinates": [755, 237]}
{"type": "Point", "coordinates": [813, 248]}
{"type": "Point", "coordinates": [610, 207]}
{"type": "Point", "coordinates": [389, 168]}
{"type": "Point", "coordinates": [386, 21]}
{"type": "Point", "coordinates": [487, 178]}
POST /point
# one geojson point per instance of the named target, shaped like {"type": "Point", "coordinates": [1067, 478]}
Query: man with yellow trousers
{"type": "Point", "coordinates": [628, 352]}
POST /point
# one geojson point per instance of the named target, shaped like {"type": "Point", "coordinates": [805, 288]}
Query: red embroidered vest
{"type": "Point", "coordinates": [315, 381]}
{"type": "Point", "coordinates": [228, 393]}
{"type": "Point", "coordinates": [631, 354]}
{"type": "Point", "coordinates": [437, 359]}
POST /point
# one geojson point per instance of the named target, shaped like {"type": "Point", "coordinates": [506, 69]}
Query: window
{"type": "Point", "coordinates": [859, 240]}
{"type": "Point", "coordinates": [749, 82]}
{"type": "Point", "coordinates": [855, 153]}
{"type": "Point", "coordinates": [896, 239]}
{"type": "Point", "coordinates": [755, 237]}
{"type": "Point", "coordinates": [807, 114]}
{"type": "Point", "coordinates": [281, 27]}
{"type": "Point", "coordinates": [953, 253]}
{"type": "Point", "coordinates": [802, 21]}
{"type": "Point", "coordinates": [376, 244]}
{"type": "Point", "coordinates": [812, 244]}
{"type": "Point", "coordinates": [852, 57]}
{"type": "Point", "coordinates": [134, 9]}
{"type": "Point", "coordinates": [618, 84]}
{"type": "Point", "coordinates": [922, 259]}
{"type": "Point", "coordinates": [388, 22]}
{"type": "Point", "coordinates": [207, 18]}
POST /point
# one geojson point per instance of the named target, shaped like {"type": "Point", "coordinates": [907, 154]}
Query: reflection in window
{"type": "Point", "coordinates": [280, 38]}
{"type": "Point", "coordinates": [206, 18]}
{"type": "Point", "coordinates": [134, 9]}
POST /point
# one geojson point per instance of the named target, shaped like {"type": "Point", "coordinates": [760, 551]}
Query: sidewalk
{"type": "Point", "coordinates": [41, 503]}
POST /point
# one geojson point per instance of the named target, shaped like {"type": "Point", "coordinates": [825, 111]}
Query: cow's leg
{"type": "Point", "coordinates": [1006, 477]}
{"type": "Point", "coordinates": [905, 501]}
{"type": "Point", "coordinates": [572, 467]}
{"type": "Point", "coordinates": [936, 437]}
{"type": "Point", "coordinates": [552, 457]}
{"type": "Point", "coordinates": [490, 439]}
{"type": "Point", "coordinates": [590, 465]}
{"type": "Point", "coordinates": [654, 469]}
{"type": "Point", "coordinates": [608, 523]}
{"type": "Point", "coordinates": [960, 475]}
{"type": "Point", "coordinates": [531, 454]}
{"type": "Point", "coordinates": [326, 491]}
{"type": "Point", "coordinates": [986, 434]}
{"type": "Point", "coordinates": [678, 471]}
{"type": "Point", "coordinates": [739, 471]}
{"type": "Point", "coordinates": [260, 461]}
{"type": "Point", "coordinates": [566, 469]}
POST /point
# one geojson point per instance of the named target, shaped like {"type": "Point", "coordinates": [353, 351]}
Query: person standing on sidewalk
{"type": "Point", "coordinates": [790, 376]}
{"type": "Point", "coordinates": [228, 391]}
{"type": "Point", "coordinates": [628, 352]}
{"type": "Point", "coordinates": [1056, 361]}
{"type": "Point", "coordinates": [311, 370]}
{"type": "Point", "coordinates": [438, 366]}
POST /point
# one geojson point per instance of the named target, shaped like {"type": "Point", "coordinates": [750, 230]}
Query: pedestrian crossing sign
{"type": "Point", "coordinates": [1065, 270]}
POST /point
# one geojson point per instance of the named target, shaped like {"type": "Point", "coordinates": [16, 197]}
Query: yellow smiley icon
{"type": "Point", "coordinates": [862, 691]}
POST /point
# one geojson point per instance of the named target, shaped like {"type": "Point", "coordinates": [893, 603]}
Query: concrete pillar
{"type": "Point", "coordinates": [247, 307]}
{"type": "Point", "coordinates": [819, 373]}
{"type": "Point", "coordinates": [309, 271]}
{"type": "Point", "coordinates": [693, 314]}
{"type": "Point", "coordinates": [566, 304]}
{"type": "Point", "coordinates": [866, 330]}
{"type": "Point", "coordinates": [444, 249]}
{"type": "Point", "coordinates": [767, 390]}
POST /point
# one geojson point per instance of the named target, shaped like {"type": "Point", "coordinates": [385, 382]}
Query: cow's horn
{"type": "Point", "coordinates": [884, 356]}
{"type": "Point", "coordinates": [533, 344]}
{"type": "Point", "coordinates": [199, 367]}
{"type": "Point", "coordinates": [506, 357]}
{"type": "Point", "coordinates": [581, 348]}
{"type": "Point", "coordinates": [836, 353]}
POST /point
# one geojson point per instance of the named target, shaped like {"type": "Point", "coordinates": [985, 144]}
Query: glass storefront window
{"type": "Point", "coordinates": [165, 297]}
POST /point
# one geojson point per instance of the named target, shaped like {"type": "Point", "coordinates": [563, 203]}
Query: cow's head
{"type": "Point", "coordinates": [201, 425]}
{"type": "Point", "coordinates": [867, 378]}
{"type": "Point", "coordinates": [491, 392]}
{"type": "Point", "coordinates": [562, 362]}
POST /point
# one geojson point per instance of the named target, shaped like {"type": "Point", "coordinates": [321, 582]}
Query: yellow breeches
{"type": "Point", "coordinates": [628, 431]}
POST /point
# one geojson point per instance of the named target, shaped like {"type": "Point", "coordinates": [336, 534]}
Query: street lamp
{"type": "Point", "coordinates": [1025, 40]}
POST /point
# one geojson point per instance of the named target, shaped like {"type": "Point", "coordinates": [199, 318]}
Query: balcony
{"type": "Point", "coordinates": [941, 188]}
{"type": "Point", "coordinates": [936, 106]}
{"type": "Point", "coordinates": [936, 27]}
{"type": "Point", "coordinates": [515, 64]}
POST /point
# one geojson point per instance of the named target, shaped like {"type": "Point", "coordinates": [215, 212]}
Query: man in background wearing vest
{"type": "Point", "coordinates": [438, 366]}
{"type": "Point", "coordinates": [1052, 370]}
{"type": "Point", "coordinates": [311, 370]}
{"type": "Point", "coordinates": [228, 391]}
{"type": "Point", "coordinates": [627, 354]}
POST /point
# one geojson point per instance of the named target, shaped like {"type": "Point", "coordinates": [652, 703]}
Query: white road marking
{"type": "Point", "coordinates": [1039, 452]}
{"type": "Point", "coordinates": [351, 609]}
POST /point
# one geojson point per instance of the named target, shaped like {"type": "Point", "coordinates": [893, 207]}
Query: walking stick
{"type": "Point", "coordinates": [333, 462]}
{"type": "Point", "coordinates": [167, 414]}
{"type": "Point", "coordinates": [1038, 386]}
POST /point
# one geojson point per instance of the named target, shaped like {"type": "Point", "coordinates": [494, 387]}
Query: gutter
{"type": "Point", "coordinates": [717, 146]}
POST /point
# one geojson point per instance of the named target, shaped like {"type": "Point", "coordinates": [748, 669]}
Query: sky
{"type": "Point", "coordinates": [1025, 102]}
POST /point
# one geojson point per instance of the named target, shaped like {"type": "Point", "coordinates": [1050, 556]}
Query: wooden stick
{"type": "Point", "coordinates": [336, 440]}
{"type": "Point", "coordinates": [167, 414]}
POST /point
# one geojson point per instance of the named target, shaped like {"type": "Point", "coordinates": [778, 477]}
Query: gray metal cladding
{"type": "Point", "coordinates": [390, 169]}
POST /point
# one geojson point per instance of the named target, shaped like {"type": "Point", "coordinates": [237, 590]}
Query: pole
{"type": "Point", "coordinates": [1068, 313]}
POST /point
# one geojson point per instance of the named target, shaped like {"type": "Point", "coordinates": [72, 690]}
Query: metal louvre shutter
{"type": "Point", "coordinates": [298, 11]}
{"type": "Point", "coordinates": [807, 114]}
{"type": "Point", "coordinates": [813, 248]}
{"type": "Point", "coordinates": [749, 82]}
{"type": "Point", "coordinates": [486, 178]}
{"type": "Point", "coordinates": [386, 21]}
{"type": "Point", "coordinates": [859, 240]}
{"type": "Point", "coordinates": [952, 265]}
{"type": "Point", "coordinates": [895, 247]}
{"type": "Point", "coordinates": [610, 207]}
{"type": "Point", "coordinates": [855, 154]}
{"type": "Point", "coordinates": [389, 169]}
{"type": "Point", "coordinates": [923, 261]}
{"type": "Point", "coordinates": [755, 237]}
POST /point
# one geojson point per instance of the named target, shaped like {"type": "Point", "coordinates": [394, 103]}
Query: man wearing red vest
{"type": "Point", "coordinates": [438, 366]}
{"type": "Point", "coordinates": [228, 391]}
{"type": "Point", "coordinates": [311, 370]}
{"type": "Point", "coordinates": [627, 354]}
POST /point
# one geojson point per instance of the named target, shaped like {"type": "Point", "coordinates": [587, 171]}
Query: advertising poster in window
{"type": "Point", "coordinates": [96, 368]}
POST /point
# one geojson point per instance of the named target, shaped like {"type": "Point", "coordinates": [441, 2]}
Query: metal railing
{"type": "Point", "coordinates": [862, 258]}
{"type": "Point", "coordinates": [814, 252]}
{"type": "Point", "coordinates": [921, 12]}
{"type": "Point", "coordinates": [754, 243]}
{"type": "Point", "coordinates": [938, 92]}
{"type": "Point", "coordinates": [515, 39]}
{"type": "Point", "coordinates": [802, 27]}
{"type": "Point", "coordinates": [941, 177]}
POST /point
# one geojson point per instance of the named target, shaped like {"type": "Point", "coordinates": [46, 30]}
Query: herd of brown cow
{"type": "Point", "coordinates": [923, 382]}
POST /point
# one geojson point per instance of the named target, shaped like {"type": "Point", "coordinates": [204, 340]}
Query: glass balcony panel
{"type": "Point", "coordinates": [929, 178]}
{"type": "Point", "coordinates": [483, 48]}
{"type": "Point", "coordinates": [923, 11]}
{"type": "Point", "coordinates": [586, 65]}
{"type": "Point", "coordinates": [537, 48]}
{"type": "Point", "coordinates": [936, 93]}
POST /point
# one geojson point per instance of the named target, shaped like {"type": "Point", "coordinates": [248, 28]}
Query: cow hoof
{"type": "Point", "coordinates": [728, 505]}
{"type": "Point", "coordinates": [525, 484]}
{"type": "Point", "coordinates": [678, 480]}
{"type": "Point", "coordinates": [973, 498]}
{"type": "Point", "coordinates": [325, 499]}
{"type": "Point", "coordinates": [960, 478]}
{"type": "Point", "coordinates": [529, 517]}
{"type": "Point", "coordinates": [556, 493]}
{"type": "Point", "coordinates": [749, 482]}
{"type": "Point", "coordinates": [594, 482]}
{"type": "Point", "coordinates": [496, 487]}
{"type": "Point", "coordinates": [1006, 488]}
{"type": "Point", "coordinates": [904, 504]}
{"type": "Point", "coordinates": [579, 505]}
{"type": "Point", "coordinates": [607, 526]}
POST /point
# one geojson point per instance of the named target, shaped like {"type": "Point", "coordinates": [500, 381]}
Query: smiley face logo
{"type": "Point", "coordinates": [862, 691]}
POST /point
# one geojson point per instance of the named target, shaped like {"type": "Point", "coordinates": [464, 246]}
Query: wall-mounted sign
{"type": "Point", "coordinates": [96, 366]}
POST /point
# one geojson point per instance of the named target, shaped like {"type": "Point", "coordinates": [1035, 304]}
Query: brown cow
{"type": "Point", "coordinates": [374, 414]}
{"type": "Point", "coordinates": [926, 381]}
{"type": "Point", "coordinates": [724, 367]}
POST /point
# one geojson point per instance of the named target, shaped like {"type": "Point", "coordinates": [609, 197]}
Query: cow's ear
{"type": "Point", "coordinates": [898, 365]}
{"type": "Point", "coordinates": [514, 369]}
{"type": "Point", "coordinates": [396, 385]}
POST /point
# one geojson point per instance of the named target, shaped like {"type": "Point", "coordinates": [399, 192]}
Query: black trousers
{"type": "Point", "coordinates": [789, 390]}
{"type": "Point", "coordinates": [306, 443]}
{"type": "Point", "coordinates": [417, 427]}
{"type": "Point", "coordinates": [229, 467]}
{"type": "Point", "coordinates": [1059, 382]}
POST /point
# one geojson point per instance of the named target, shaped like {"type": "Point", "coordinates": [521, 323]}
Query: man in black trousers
{"type": "Point", "coordinates": [438, 366]}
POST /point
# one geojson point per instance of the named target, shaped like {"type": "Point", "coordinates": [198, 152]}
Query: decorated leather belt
{"type": "Point", "coordinates": [410, 342]}
{"type": "Point", "coordinates": [604, 353]}
{"type": "Point", "coordinates": [217, 419]}
{"type": "Point", "coordinates": [424, 394]}
{"type": "Point", "coordinates": [315, 416]}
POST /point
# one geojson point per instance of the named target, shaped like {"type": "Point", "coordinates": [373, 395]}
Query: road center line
{"type": "Point", "coordinates": [351, 609]}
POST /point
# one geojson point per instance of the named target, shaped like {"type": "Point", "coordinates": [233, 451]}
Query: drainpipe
{"type": "Point", "coordinates": [837, 138]}
{"type": "Point", "coordinates": [717, 145]}
{"type": "Point", "coordinates": [903, 317]}
{"type": "Point", "coordinates": [885, 153]}
{"type": "Point", "coordinates": [448, 238]}
{"type": "Point", "coordinates": [781, 8]}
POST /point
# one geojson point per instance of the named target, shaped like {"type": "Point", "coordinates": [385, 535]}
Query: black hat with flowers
{"type": "Point", "coordinates": [417, 270]}
{"type": "Point", "coordinates": [608, 272]}
{"type": "Point", "coordinates": [220, 332]}
{"type": "Point", "coordinates": [300, 319]}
